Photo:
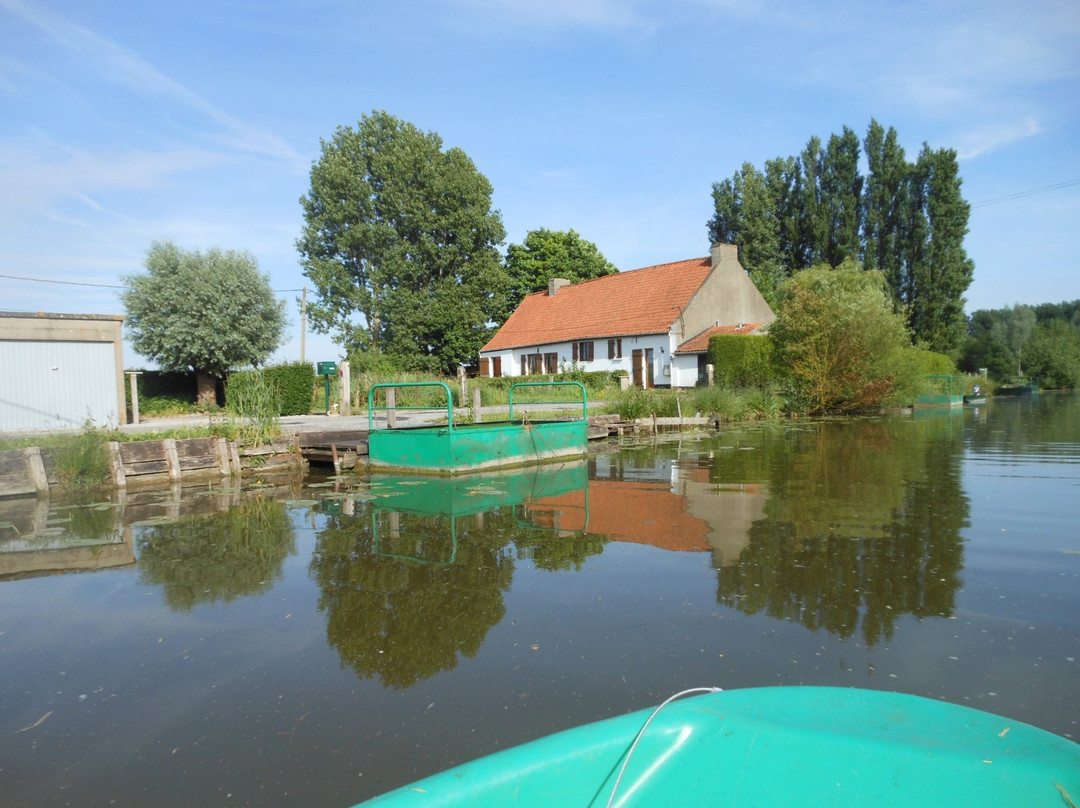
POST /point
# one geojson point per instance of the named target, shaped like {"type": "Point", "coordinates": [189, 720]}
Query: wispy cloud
{"type": "Point", "coordinates": [128, 69]}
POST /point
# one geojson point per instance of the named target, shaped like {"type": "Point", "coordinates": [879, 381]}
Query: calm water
{"type": "Point", "coordinates": [320, 645]}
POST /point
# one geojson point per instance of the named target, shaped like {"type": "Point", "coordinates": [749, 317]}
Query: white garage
{"type": "Point", "coordinates": [60, 371]}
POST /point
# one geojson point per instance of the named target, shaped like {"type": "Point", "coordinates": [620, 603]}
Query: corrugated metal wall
{"type": "Point", "coordinates": [51, 385]}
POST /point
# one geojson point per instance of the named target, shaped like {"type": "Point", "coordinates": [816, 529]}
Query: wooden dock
{"type": "Point", "coordinates": [342, 449]}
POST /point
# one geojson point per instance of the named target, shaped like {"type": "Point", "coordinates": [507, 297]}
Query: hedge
{"type": "Point", "coordinates": [294, 383]}
{"type": "Point", "coordinates": [742, 360]}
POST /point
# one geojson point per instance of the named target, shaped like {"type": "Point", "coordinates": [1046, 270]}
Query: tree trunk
{"type": "Point", "coordinates": [207, 389]}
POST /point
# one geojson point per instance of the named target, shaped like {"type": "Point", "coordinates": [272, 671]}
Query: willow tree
{"type": "Point", "coordinates": [203, 312]}
{"type": "Point", "coordinates": [400, 241]}
{"type": "Point", "coordinates": [839, 339]}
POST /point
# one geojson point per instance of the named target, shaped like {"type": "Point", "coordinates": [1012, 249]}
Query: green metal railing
{"type": "Point", "coordinates": [372, 408]}
{"type": "Point", "coordinates": [579, 385]}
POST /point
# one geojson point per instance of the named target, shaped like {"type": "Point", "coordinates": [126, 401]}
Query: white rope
{"type": "Point", "coordinates": [645, 726]}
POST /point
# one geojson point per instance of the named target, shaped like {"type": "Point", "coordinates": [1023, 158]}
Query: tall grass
{"type": "Point", "coordinates": [83, 461]}
{"type": "Point", "coordinates": [725, 403]}
{"type": "Point", "coordinates": [254, 403]}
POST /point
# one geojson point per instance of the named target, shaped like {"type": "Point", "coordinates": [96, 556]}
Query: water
{"type": "Point", "coordinates": [319, 645]}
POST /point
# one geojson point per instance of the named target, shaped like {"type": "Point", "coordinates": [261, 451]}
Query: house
{"type": "Point", "coordinates": [654, 323]}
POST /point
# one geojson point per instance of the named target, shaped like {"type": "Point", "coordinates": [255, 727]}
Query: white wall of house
{"type": "Point", "coordinates": [684, 370]}
{"type": "Point", "coordinates": [658, 346]}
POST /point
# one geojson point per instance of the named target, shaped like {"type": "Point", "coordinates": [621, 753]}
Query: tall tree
{"type": "Point", "coordinates": [841, 198]}
{"type": "Point", "coordinates": [941, 270]}
{"type": "Point", "coordinates": [205, 312]}
{"type": "Point", "coordinates": [400, 240]}
{"type": "Point", "coordinates": [906, 219]}
{"type": "Point", "coordinates": [745, 216]}
{"type": "Point", "coordinates": [886, 200]}
{"type": "Point", "coordinates": [547, 254]}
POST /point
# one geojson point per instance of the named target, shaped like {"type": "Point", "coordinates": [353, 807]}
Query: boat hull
{"type": "Point", "coordinates": [806, 746]}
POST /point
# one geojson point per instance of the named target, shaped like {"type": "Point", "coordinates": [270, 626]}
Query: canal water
{"type": "Point", "coordinates": [322, 641]}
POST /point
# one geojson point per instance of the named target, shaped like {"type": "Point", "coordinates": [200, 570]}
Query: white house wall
{"type": "Point", "coordinates": [660, 344]}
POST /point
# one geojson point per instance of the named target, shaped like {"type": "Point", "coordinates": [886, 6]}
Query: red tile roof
{"type": "Point", "coordinates": [700, 343]}
{"type": "Point", "coordinates": [641, 301]}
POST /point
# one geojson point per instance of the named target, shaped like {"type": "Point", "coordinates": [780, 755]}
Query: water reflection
{"type": "Point", "coordinates": [220, 556]}
{"type": "Point", "coordinates": [412, 579]}
{"type": "Point", "coordinates": [862, 526]}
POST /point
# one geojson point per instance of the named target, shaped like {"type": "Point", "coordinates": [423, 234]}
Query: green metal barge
{"type": "Point", "coordinates": [449, 448]}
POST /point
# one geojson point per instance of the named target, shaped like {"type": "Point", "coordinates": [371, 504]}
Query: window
{"type": "Point", "coordinates": [551, 363]}
{"type": "Point", "coordinates": [583, 351]}
{"type": "Point", "coordinates": [536, 364]}
{"type": "Point", "coordinates": [614, 348]}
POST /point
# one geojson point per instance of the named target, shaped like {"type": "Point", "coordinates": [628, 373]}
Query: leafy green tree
{"type": "Point", "coordinates": [744, 206]}
{"type": "Point", "coordinates": [906, 219]}
{"type": "Point", "coordinates": [940, 268]}
{"type": "Point", "coordinates": [886, 201]}
{"type": "Point", "coordinates": [548, 254]}
{"type": "Point", "coordinates": [838, 337]}
{"type": "Point", "coordinates": [400, 240]}
{"type": "Point", "coordinates": [1053, 354]}
{"type": "Point", "coordinates": [205, 312]}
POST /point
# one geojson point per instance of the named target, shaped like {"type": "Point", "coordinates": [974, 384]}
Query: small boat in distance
{"type": "Point", "coordinates": [805, 746]}
{"type": "Point", "coordinates": [976, 397]}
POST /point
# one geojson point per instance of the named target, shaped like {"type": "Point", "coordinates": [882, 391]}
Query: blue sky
{"type": "Point", "coordinates": [123, 122]}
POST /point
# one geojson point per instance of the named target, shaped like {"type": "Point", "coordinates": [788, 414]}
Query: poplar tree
{"type": "Point", "coordinates": [907, 220]}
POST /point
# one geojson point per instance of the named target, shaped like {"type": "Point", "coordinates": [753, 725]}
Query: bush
{"type": "Point", "coordinates": [741, 360]}
{"type": "Point", "coordinates": [295, 384]}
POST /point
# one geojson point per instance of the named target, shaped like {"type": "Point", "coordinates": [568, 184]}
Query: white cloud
{"type": "Point", "coordinates": [126, 68]}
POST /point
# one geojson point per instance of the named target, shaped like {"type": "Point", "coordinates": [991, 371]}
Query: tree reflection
{"type": "Point", "coordinates": [863, 525]}
{"type": "Point", "coordinates": [398, 607]}
{"type": "Point", "coordinates": [217, 557]}
{"type": "Point", "coordinates": [408, 594]}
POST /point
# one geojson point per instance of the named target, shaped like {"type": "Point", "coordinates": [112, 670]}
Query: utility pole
{"type": "Point", "coordinates": [303, 322]}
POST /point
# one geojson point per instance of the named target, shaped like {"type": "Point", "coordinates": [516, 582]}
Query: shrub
{"type": "Point", "coordinates": [295, 384]}
{"type": "Point", "coordinates": [741, 360]}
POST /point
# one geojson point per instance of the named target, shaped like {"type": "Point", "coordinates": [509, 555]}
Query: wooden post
{"type": "Point", "coordinates": [35, 467]}
{"type": "Point", "coordinates": [133, 377]}
{"type": "Point", "coordinates": [344, 386]}
{"type": "Point", "coordinates": [710, 374]}
{"type": "Point", "coordinates": [116, 465]}
{"type": "Point", "coordinates": [463, 385]}
{"type": "Point", "coordinates": [477, 416]}
{"type": "Point", "coordinates": [172, 459]}
{"type": "Point", "coordinates": [391, 402]}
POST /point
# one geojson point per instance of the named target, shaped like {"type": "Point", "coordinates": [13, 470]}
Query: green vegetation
{"type": "Point", "coordinates": [548, 254]}
{"type": "Point", "coordinates": [1018, 342]}
{"type": "Point", "coordinates": [255, 400]}
{"type": "Point", "coordinates": [403, 234]}
{"type": "Point", "coordinates": [742, 361]}
{"type": "Point", "coordinates": [906, 220]}
{"type": "Point", "coordinates": [82, 461]}
{"type": "Point", "coordinates": [203, 312]}
{"type": "Point", "coordinates": [841, 345]}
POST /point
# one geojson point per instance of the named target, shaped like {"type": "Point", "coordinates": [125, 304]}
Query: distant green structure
{"type": "Point", "coordinates": [942, 390]}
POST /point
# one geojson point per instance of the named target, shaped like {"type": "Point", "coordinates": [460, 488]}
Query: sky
{"type": "Point", "coordinates": [125, 122]}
